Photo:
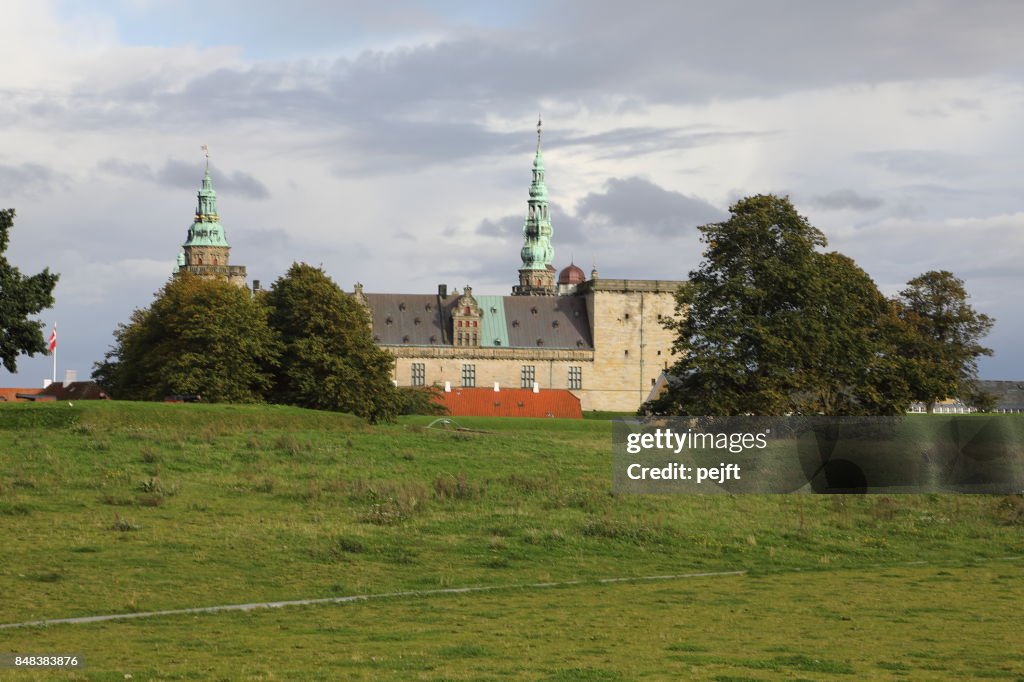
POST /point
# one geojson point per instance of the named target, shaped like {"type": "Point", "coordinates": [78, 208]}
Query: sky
{"type": "Point", "coordinates": [391, 143]}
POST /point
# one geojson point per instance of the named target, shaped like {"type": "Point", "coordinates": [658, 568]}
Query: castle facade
{"type": "Point", "coordinates": [602, 339]}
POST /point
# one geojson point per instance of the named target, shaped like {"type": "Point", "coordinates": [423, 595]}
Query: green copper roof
{"type": "Point", "coordinates": [537, 252]}
{"type": "Point", "coordinates": [493, 328]}
{"type": "Point", "coordinates": [206, 229]}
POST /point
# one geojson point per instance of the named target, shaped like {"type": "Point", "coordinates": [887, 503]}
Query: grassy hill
{"type": "Point", "coordinates": [120, 507]}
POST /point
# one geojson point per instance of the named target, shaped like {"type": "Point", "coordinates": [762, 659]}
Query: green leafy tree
{"type": "Point", "coordinates": [945, 346]}
{"type": "Point", "coordinates": [20, 297]}
{"type": "Point", "coordinates": [330, 361]}
{"type": "Point", "coordinates": [849, 338]}
{"type": "Point", "coordinates": [769, 325]}
{"type": "Point", "coordinates": [200, 336]}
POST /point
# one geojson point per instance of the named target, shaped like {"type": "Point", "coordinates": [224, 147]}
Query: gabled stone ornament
{"type": "Point", "coordinates": [466, 321]}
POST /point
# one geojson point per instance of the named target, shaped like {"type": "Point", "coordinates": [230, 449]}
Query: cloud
{"type": "Point", "coordinates": [644, 206]}
{"type": "Point", "coordinates": [636, 141]}
{"type": "Point", "coordinates": [28, 178]}
{"type": "Point", "coordinates": [842, 199]}
{"type": "Point", "coordinates": [186, 175]}
{"type": "Point", "coordinates": [926, 162]}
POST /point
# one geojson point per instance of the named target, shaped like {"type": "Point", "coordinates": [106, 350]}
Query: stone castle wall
{"type": "Point", "coordinates": [631, 349]}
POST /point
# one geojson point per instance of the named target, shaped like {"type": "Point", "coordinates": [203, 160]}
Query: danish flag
{"type": "Point", "coordinates": [53, 338]}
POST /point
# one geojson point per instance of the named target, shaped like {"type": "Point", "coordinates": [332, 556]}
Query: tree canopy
{"type": "Point", "coordinates": [200, 336]}
{"type": "Point", "coordinates": [20, 297]}
{"type": "Point", "coordinates": [769, 325]}
{"type": "Point", "coordinates": [945, 345]}
{"type": "Point", "coordinates": [329, 359]}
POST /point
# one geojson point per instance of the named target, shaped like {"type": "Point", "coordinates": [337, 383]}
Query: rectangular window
{"type": "Point", "coordinates": [469, 376]}
{"type": "Point", "coordinates": [575, 378]}
{"type": "Point", "coordinates": [419, 374]}
{"type": "Point", "coordinates": [527, 375]}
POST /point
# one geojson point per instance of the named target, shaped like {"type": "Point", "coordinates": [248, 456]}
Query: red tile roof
{"type": "Point", "coordinates": [10, 395]}
{"type": "Point", "coordinates": [511, 402]}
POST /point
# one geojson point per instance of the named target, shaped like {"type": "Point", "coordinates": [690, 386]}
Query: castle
{"type": "Point", "coordinates": [602, 339]}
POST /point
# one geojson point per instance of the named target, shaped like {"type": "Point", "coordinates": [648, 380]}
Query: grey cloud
{"type": "Point", "coordinates": [846, 199]}
{"type": "Point", "coordinates": [506, 227]}
{"type": "Point", "coordinates": [390, 145]}
{"type": "Point", "coordinates": [571, 58]}
{"type": "Point", "coordinates": [28, 177]}
{"type": "Point", "coordinates": [186, 175]}
{"type": "Point", "coordinates": [636, 141]}
{"type": "Point", "coordinates": [925, 162]}
{"type": "Point", "coordinates": [642, 205]}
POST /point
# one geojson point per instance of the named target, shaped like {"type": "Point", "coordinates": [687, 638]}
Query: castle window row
{"type": "Point", "coordinates": [527, 376]}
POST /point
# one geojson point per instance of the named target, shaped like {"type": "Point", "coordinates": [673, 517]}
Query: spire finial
{"type": "Point", "coordinates": [206, 152]}
{"type": "Point", "coordinates": [539, 125]}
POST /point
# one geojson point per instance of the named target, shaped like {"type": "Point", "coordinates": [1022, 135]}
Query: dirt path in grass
{"type": "Point", "coordinates": [416, 593]}
{"type": "Point", "coordinates": [359, 597]}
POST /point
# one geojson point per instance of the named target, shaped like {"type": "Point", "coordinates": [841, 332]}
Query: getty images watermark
{"type": "Point", "coordinates": [934, 454]}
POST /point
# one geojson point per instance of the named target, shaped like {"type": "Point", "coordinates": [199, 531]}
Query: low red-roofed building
{"type": "Point", "coordinates": [511, 402]}
{"type": "Point", "coordinates": [75, 390]}
{"type": "Point", "coordinates": [15, 395]}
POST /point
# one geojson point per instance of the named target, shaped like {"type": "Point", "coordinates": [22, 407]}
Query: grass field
{"type": "Point", "coordinates": [123, 507]}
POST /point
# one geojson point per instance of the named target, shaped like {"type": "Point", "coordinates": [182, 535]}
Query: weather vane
{"type": "Point", "coordinates": [206, 152]}
{"type": "Point", "coordinates": [538, 130]}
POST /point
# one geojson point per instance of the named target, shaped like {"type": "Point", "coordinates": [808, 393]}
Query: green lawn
{"type": "Point", "coordinates": [118, 507]}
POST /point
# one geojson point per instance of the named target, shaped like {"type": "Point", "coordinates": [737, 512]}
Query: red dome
{"type": "Point", "coordinates": [572, 275]}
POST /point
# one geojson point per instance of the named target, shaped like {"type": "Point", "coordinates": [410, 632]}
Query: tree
{"type": "Point", "coordinates": [944, 347]}
{"type": "Point", "coordinates": [20, 297]}
{"type": "Point", "coordinates": [200, 336]}
{"type": "Point", "coordinates": [769, 325]}
{"type": "Point", "coordinates": [851, 350]}
{"type": "Point", "coordinates": [330, 361]}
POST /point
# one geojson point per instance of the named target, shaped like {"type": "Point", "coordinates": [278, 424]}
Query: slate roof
{"type": "Point", "coordinates": [511, 402]}
{"type": "Point", "coordinates": [1009, 394]}
{"type": "Point", "coordinates": [508, 321]}
{"type": "Point", "coordinates": [548, 322]}
{"type": "Point", "coordinates": [411, 319]}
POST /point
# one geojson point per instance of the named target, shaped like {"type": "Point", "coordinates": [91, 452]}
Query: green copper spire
{"type": "Point", "coordinates": [206, 229]}
{"type": "Point", "coordinates": [537, 252]}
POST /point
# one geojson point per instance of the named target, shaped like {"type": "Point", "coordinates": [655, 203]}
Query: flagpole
{"type": "Point", "coordinates": [54, 378]}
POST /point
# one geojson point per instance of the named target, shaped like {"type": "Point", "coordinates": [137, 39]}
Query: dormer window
{"type": "Point", "coordinates": [515, 323]}
{"type": "Point", "coordinates": [405, 339]}
{"type": "Point", "coordinates": [416, 321]}
{"type": "Point", "coordinates": [401, 306]}
{"type": "Point", "coordinates": [388, 320]}
{"type": "Point", "coordinates": [540, 341]}
{"type": "Point", "coordinates": [428, 307]}
{"type": "Point", "coordinates": [555, 324]}
{"type": "Point", "coordinates": [533, 310]}
{"type": "Point", "coordinates": [433, 339]}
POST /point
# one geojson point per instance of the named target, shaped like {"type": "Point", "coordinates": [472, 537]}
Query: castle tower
{"type": "Point", "coordinates": [537, 276]}
{"type": "Point", "coordinates": [206, 251]}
